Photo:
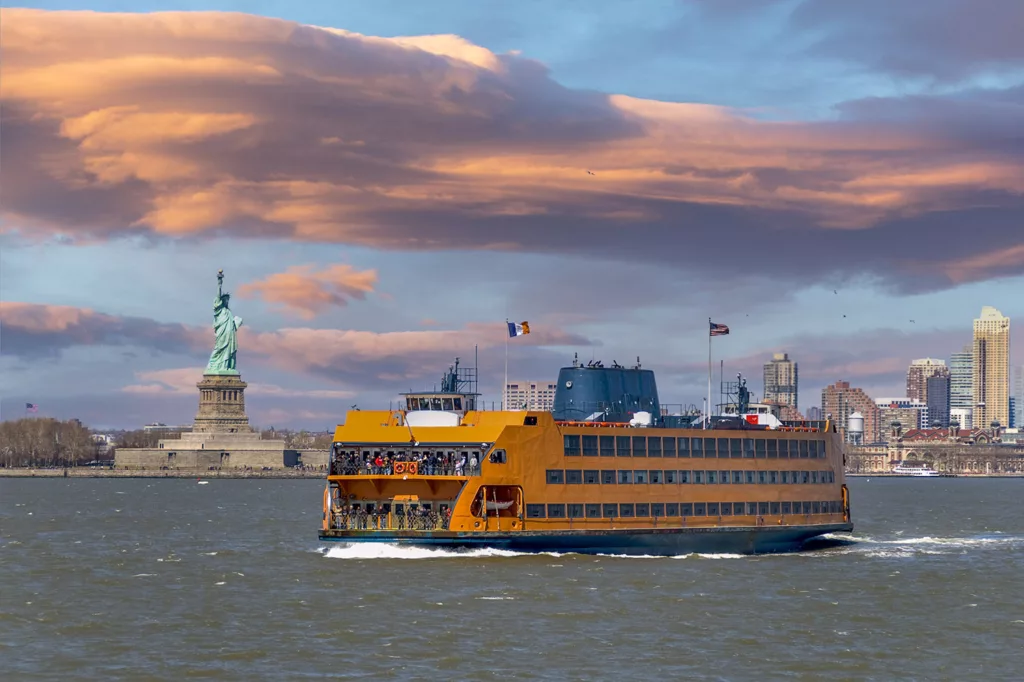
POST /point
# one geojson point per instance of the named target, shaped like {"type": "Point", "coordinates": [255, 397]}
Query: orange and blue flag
{"type": "Point", "coordinates": [518, 329]}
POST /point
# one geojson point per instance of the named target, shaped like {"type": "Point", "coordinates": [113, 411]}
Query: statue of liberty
{"type": "Point", "coordinates": [225, 327]}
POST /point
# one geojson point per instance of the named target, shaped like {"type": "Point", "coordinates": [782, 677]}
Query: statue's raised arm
{"type": "Point", "coordinates": [225, 327]}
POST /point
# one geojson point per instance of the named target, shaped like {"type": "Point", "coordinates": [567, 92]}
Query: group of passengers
{"type": "Point", "coordinates": [381, 517]}
{"type": "Point", "coordinates": [387, 463]}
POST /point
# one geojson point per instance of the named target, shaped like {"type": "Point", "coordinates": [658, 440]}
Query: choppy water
{"type": "Point", "coordinates": [162, 580]}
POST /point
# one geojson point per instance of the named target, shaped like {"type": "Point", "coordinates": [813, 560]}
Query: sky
{"type": "Point", "coordinates": [385, 183]}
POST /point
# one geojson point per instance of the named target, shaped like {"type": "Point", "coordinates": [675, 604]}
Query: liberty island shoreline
{"type": "Point", "coordinates": [92, 472]}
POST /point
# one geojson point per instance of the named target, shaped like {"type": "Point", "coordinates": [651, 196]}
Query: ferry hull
{"type": "Point", "coordinates": [627, 542]}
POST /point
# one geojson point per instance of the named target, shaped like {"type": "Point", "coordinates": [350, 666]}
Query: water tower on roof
{"type": "Point", "coordinates": [855, 428]}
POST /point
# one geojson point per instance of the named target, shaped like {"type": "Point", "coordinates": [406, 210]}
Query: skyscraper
{"type": "Point", "coordinates": [918, 374]}
{"type": "Point", "coordinates": [937, 397]}
{"type": "Point", "coordinates": [1017, 393]}
{"type": "Point", "coordinates": [840, 400]}
{"type": "Point", "coordinates": [781, 381]}
{"type": "Point", "coordinates": [991, 368]}
{"type": "Point", "coordinates": [961, 380]}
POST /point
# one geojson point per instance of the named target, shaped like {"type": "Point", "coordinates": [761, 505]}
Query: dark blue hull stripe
{"type": "Point", "coordinates": [658, 541]}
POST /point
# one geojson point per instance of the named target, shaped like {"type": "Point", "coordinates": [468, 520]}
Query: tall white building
{"type": "Point", "coordinates": [1017, 392]}
{"type": "Point", "coordinates": [530, 395]}
{"type": "Point", "coordinates": [782, 380]}
{"type": "Point", "coordinates": [991, 368]}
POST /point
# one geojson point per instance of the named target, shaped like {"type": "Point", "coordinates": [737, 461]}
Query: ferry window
{"type": "Point", "coordinates": [775, 508]}
{"type": "Point", "coordinates": [572, 446]}
{"type": "Point", "coordinates": [668, 446]}
{"type": "Point", "coordinates": [685, 476]}
{"type": "Point", "coordinates": [709, 447]}
{"type": "Point", "coordinates": [831, 477]}
{"type": "Point", "coordinates": [735, 447]}
{"type": "Point", "coordinates": [656, 476]}
{"type": "Point", "coordinates": [575, 511]}
{"type": "Point", "coordinates": [783, 449]}
{"type": "Point", "coordinates": [573, 476]}
{"type": "Point", "coordinates": [711, 477]}
{"type": "Point", "coordinates": [785, 476]}
{"type": "Point", "coordinates": [447, 402]}
{"type": "Point", "coordinates": [608, 477]}
{"type": "Point", "coordinates": [760, 449]}
{"type": "Point", "coordinates": [639, 446]}
{"type": "Point", "coordinates": [787, 508]}
{"type": "Point", "coordinates": [672, 509]}
{"type": "Point", "coordinates": [698, 476]}
{"type": "Point", "coordinates": [556, 511]}
{"type": "Point", "coordinates": [762, 477]}
{"type": "Point", "coordinates": [737, 476]}
{"type": "Point", "coordinates": [657, 509]}
{"type": "Point", "coordinates": [607, 446]}
{"type": "Point", "coordinates": [625, 476]}
{"type": "Point", "coordinates": [712, 509]}
{"type": "Point", "coordinates": [435, 403]}
{"type": "Point", "coordinates": [593, 511]}
{"type": "Point", "coordinates": [749, 476]}
{"type": "Point", "coordinates": [814, 477]}
{"type": "Point", "coordinates": [643, 510]}
{"type": "Point", "coordinates": [654, 447]}
{"type": "Point", "coordinates": [773, 476]}
{"type": "Point", "coordinates": [773, 449]}
{"type": "Point", "coordinates": [806, 507]}
{"type": "Point", "coordinates": [700, 509]}
{"type": "Point", "coordinates": [762, 508]}
{"type": "Point", "coordinates": [686, 509]}
{"type": "Point", "coordinates": [723, 476]}
{"type": "Point", "coordinates": [531, 420]}
{"type": "Point", "coordinates": [805, 476]}
{"type": "Point", "coordinates": [412, 404]}
{"type": "Point", "coordinates": [590, 446]}
{"type": "Point", "coordinates": [610, 511]}
{"type": "Point", "coordinates": [556, 476]}
{"type": "Point", "coordinates": [590, 476]}
{"type": "Point", "coordinates": [738, 508]}
{"type": "Point", "coordinates": [748, 448]}
{"type": "Point", "coordinates": [685, 445]}
{"type": "Point", "coordinates": [671, 476]}
{"type": "Point", "coordinates": [815, 507]}
{"type": "Point", "coordinates": [535, 511]}
{"type": "Point", "coordinates": [458, 403]}
{"type": "Point", "coordinates": [622, 446]}
{"type": "Point", "coordinates": [803, 449]}
{"type": "Point", "coordinates": [640, 476]}
{"type": "Point", "coordinates": [497, 457]}
{"type": "Point", "coordinates": [626, 511]}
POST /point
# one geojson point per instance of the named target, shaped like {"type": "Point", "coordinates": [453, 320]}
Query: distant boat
{"type": "Point", "coordinates": [203, 482]}
{"type": "Point", "coordinates": [920, 470]}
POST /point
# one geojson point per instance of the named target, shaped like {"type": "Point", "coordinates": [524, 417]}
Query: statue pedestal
{"type": "Point", "coordinates": [222, 405]}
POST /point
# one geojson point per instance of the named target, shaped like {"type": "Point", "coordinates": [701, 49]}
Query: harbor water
{"type": "Point", "coordinates": [141, 579]}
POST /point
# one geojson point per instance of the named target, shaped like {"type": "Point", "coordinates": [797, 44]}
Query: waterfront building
{"type": "Point", "coordinates": [961, 380]}
{"type": "Point", "coordinates": [841, 400]}
{"type": "Point", "coordinates": [937, 400]}
{"type": "Point", "coordinates": [814, 413]}
{"type": "Point", "coordinates": [918, 374]}
{"type": "Point", "coordinates": [530, 395]}
{"type": "Point", "coordinates": [910, 414]}
{"type": "Point", "coordinates": [781, 381]}
{"type": "Point", "coordinates": [991, 376]}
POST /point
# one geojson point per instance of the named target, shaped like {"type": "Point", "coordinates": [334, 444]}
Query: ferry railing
{"type": "Point", "coordinates": [413, 519]}
{"type": "Point", "coordinates": [351, 467]}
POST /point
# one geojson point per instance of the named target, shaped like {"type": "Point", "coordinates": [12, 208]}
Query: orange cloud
{"type": "Point", "coordinates": [303, 291]}
{"type": "Point", "coordinates": [184, 380]}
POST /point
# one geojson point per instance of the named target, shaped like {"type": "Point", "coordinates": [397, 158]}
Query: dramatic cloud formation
{"type": "Point", "coordinates": [304, 292]}
{"type": "Point", "coordinates": [184, 380]}
{"type": "Point", "coordinates": [180, 124]}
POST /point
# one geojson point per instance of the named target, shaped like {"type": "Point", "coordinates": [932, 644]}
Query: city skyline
{"type": "Point", "coordinates": [383, 198]}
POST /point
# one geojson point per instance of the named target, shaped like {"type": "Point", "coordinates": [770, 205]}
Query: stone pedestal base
{"type": "Point", "coordinates": [221, 405]}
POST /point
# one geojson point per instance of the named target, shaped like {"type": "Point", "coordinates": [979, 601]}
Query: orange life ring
{"type": "Point", "coordinates": [413, 468]}
{"type": "Point", "coordinates": [399, 467]}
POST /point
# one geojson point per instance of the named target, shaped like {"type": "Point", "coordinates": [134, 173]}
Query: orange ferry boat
{"type": "Point", "coordinates": [604, 472]}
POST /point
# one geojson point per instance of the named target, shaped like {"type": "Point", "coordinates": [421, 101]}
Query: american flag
{"type": "Point", "coordinates": [719, 329]}
{"type": "Point", "coordinates": [31, 407]}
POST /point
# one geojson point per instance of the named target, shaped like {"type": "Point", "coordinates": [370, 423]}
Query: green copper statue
{"type": "Point", "coordinates": [225, 327]}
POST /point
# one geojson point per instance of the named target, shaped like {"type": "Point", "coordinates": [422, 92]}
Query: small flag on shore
{"type": "Point", "coordinates": [518, 329]}
{"type": "Point", "coordinates": [31, 407]}
{"type": "Point", "coordinates": [719, 329]}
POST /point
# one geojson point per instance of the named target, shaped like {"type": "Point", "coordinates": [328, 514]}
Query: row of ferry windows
{"type": "Point", "coordinates": [668, 446]}
{"type": "Point", "coordinates": [626, 476]}
{"type": "Point", "coordinates": [676, 509]}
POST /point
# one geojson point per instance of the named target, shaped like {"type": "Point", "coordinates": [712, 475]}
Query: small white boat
{"type": "Point", "coordinates": [905, 469]}
{"type": "Point", "coordinates": [497, 506]}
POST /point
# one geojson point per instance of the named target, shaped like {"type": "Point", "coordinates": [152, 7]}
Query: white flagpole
{"type": "Point", "coordinates": [708, 416]}
{"type": "Point", "coordinates": [504, 386]}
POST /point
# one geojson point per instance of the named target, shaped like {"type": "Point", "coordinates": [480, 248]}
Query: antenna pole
{"type": "Point", "coordinates": [504, 386]}
{"type": "Point", "coordinates": [707, 409]}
